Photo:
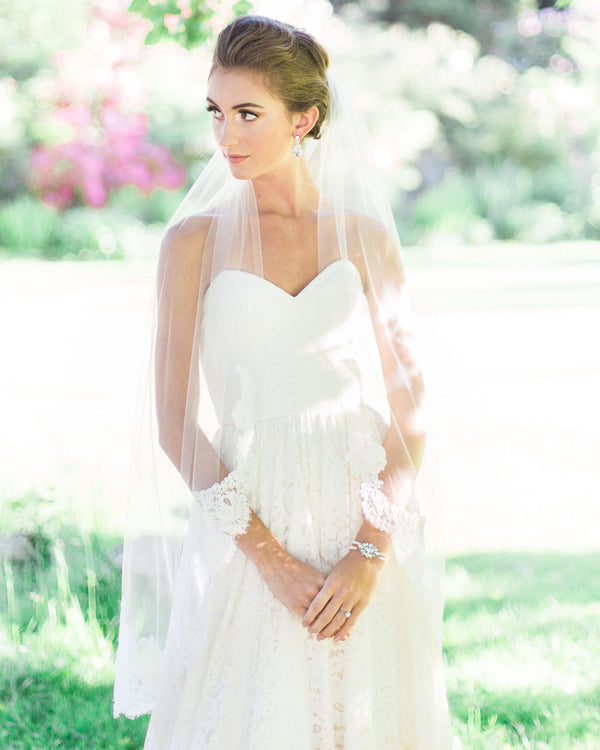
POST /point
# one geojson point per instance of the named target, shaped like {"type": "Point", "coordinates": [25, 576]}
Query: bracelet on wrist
{"type": "Point", "coordinates": [368, 550]}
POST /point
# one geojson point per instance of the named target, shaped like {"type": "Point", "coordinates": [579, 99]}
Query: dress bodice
{"type": "Point", "coordinates": [268, 354]}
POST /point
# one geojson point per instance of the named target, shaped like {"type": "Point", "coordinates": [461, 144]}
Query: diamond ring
{"type": "Point", "coordinates": [343, 612]}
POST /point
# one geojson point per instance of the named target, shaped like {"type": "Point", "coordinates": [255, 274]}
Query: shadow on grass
{"type": "Point", "coordinates": [521, 646]}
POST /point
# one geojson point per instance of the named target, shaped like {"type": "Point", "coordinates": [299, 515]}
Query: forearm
{"type": "Point", "coordinates": [390, 519]}
{"type": "Point", "coordinates": [260, 546]}
{"type": "Point", "coordinates": [404, 447]}
{"type": "Point", "coordinates": [203, 467]}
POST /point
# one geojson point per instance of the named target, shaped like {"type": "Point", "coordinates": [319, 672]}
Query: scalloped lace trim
{"type": "Point", "coordinates": [402, 525]}
{"type": "Point", "coordinates": [226, 503]}
{"type": "Point", "coordinates": [366, 458]}
{"type": "Point", "coordinates": [136, 678]}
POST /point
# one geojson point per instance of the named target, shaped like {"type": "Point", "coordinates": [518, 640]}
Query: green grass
{"type": "Point", "coordinates": [521, 643]}
{"type": "Point", "coordinates": [58, 627]}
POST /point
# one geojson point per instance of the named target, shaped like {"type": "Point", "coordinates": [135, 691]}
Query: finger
{"type": "Point", "coordinates": [316, 607]}
{"type": "Point", "coordinates": [348, 625]}
{"type": "Point", "coordinates": [332, 618]}
{"type": "Point", "coordinates": [335, 625]}
{"type": "Point", "coordinates": [326, 615]}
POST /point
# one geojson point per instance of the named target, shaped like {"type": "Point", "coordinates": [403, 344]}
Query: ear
{"type": "Point", "coordinates": [305, 121]}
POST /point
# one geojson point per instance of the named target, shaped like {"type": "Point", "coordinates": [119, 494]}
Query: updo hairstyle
{"type": "Point", "coordinates": [293, 63]}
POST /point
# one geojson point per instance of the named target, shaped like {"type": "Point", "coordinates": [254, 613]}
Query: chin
{"type": "Point", "coordinates": [239, 173]}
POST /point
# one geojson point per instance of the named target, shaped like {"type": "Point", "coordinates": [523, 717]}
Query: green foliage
{"type": "Point", "coordinates": [190, 23]}
{"type": "Point", "coordinates": [486, 113]}
{"type": "Point", "coordinates": [488, 146]}
{"type": "Point", "coordinates": [29, 228]}
{"type": "Point", "coordinates": [483, 19]}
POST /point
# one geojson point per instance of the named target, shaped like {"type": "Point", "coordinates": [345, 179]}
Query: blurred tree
{"type": "Point", "coordinates": [480, 18]}
{"type": "Point", "coordinates": [485, 115]}
{"type": "Point", "coordinates": [480, 146]}
{"type": "Point", "coordinates": [189, 22]}
{"type": "Point", "coordinates": [94, 133]}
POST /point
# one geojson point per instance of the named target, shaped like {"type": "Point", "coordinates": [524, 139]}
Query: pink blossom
{"type": "Point", "coordinates": [77, 115]}
{"type": "Point", "coordinates": [94, 190]}
{"type": "Point", "coordinates": [186, 11]}
{"type": "Point", "coordinates": [98, 93]}
{"type": "Point", "coordinates": [41, 159]}
{"type": "Point", "coordinates": [173, 178]}
{"type": "Point", "coordinates": [171, 22]}
{"type": "Point", "coordinates": [60, 198]}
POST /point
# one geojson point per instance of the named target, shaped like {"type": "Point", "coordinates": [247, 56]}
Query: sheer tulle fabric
{"type": "Point", "coordinates": [308, 403]}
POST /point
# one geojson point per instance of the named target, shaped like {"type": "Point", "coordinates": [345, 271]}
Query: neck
{"type": "Point", "coordinates": [290, 191]}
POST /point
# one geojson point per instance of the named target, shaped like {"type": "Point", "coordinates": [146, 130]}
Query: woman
{"type": "Point", "coordinates": [276, 590]}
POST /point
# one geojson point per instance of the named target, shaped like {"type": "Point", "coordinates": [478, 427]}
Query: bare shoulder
{"type": "Point", "coordinates": [370, 242]}
{"type": "Point", "coordinates": [182, 250]}
{"type": "Point", "coordinates": [186, 238]}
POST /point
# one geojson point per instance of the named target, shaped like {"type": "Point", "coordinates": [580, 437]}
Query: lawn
{"type": "Point", "coordinates": [521, 629]}
{"type": "Point", "coordinates": [506, 337]}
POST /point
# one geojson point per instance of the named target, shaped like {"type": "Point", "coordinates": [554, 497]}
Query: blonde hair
{"type": "Point", "coordinates": [292, 62]}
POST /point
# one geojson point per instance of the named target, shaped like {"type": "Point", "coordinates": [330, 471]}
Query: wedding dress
{"type": "Point", "coordinates": [239, 671]}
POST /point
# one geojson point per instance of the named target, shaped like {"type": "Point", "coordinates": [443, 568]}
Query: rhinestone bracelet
{"type": "Point", "coordinates": [368, 550]}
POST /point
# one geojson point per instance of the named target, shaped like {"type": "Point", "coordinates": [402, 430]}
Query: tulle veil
{"type": "Point", "coordinates": [173, 457]}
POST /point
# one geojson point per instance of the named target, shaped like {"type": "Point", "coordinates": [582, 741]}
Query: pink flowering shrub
{"type": "Point", "coordinates": [96, 102]}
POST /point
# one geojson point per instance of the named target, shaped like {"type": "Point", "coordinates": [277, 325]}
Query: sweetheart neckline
{"type": "Point", "coordinates": [280, 289]}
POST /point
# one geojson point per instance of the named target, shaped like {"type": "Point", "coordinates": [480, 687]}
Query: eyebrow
{"type": "Point", "coordinates": [237, 106]}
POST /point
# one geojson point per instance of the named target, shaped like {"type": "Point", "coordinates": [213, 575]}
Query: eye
{"type": "Point", "coordinates": [216, 113]}
{"type": "Point", "coordinates": [247, 115]}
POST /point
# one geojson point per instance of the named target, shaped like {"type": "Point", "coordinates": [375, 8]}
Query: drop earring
{"type": "Point", "coordinates": [297, 149]}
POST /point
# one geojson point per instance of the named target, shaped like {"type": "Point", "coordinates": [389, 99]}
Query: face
{"type": "Point", "coordinates": [253, 129]}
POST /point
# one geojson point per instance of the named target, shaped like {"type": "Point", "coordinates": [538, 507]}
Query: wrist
{"type": "Point", "coordinates": [368, 533]}
{"type": "Point", "coordinates": [369, 551]}
{"type": "Point", "coordinates": [261, 547]}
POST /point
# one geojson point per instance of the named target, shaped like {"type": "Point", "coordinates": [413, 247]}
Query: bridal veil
{"type": "Point", "coordinates": [177, 439]}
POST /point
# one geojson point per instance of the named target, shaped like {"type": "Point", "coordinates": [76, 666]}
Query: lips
{"type": "Point", "coordinates": [235, 158]}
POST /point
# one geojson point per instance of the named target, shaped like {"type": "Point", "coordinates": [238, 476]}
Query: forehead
{"type": "Point", "coordinates": [231, 87]}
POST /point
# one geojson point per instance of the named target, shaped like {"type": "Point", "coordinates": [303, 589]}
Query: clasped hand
{"type": "Point", "coordinates": [321, 600]}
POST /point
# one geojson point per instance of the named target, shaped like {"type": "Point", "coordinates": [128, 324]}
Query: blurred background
{"type": "Point", "coordinates": [485, 123]}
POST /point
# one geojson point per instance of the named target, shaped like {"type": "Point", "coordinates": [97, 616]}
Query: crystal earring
{"type": "Point", "coordinates": [297, 149]}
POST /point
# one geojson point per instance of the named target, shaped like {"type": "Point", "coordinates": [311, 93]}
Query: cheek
{"type": "Point", "coordinates": [273, 138]}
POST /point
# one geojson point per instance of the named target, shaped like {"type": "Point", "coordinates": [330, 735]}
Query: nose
{"type": "Point", "coordinates": [227, 134]}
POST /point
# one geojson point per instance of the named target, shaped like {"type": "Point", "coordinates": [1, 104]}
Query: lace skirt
{"type": "Point", "coordinates": [241, 673]}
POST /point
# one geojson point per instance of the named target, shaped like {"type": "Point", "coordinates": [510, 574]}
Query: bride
{"type": "Point", "coordinates": [278, 590]}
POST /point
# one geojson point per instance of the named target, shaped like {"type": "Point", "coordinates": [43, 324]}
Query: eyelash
{"type": "Point", "coordinates": [245, 112]}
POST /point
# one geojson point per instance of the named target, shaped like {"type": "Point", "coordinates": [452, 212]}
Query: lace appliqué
{"type": "Point", "coordinates": [402, 525]}
{"type": "Point", "coordinates": [366, 458]}
{"type": "Point", "coordinates": [137, 669]}
{"type": "Point", "coordinates": [226, 503]}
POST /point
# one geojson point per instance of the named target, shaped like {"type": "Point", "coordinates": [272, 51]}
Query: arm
{"type": "Point", "coordinates": [176, 374]}
{"type": "Point", "coordinates": [387, 498]}
{"type": "Point", "coordinates": [177, 396]}
{"type": "Point", "coordinates": [353, 580]}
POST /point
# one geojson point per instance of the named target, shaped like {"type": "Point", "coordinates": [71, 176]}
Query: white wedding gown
{"type": "Point", "coordinates": [241, 673]}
